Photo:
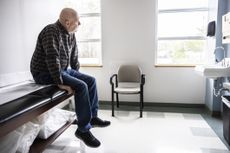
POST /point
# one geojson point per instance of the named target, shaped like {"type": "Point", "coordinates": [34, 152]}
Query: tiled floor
{"type": "Point", "coordinates": [156, 132]}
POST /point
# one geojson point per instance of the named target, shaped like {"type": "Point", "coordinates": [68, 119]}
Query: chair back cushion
{"type": "Point", "coordinates": [129, 73]}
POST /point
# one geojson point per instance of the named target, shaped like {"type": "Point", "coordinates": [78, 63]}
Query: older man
{"type": "Point", "coordinates": [55, 61]}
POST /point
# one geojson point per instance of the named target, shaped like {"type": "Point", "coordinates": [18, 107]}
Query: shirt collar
{"type": "Point", "coordinates": [61, 27]}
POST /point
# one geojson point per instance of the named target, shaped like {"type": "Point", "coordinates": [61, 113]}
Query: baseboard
{"type": "Point", "coordinates": [154, 104]}
{"type": "Point", "coordinates": [215, 114]}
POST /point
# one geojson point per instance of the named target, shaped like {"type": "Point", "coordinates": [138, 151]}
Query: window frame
{"type": "Point", "coordinates": [99, 40]}
{"type": "Point", "coordinates": [179, 10]}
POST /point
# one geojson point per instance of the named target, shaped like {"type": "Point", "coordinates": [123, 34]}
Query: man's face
{"type": "Point", "coordinates": [73, 25]}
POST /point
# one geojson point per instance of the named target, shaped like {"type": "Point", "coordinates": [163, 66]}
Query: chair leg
{"type": "Point", "coordinates": [141, 104]}
{"type": "Point", "coordinates": [142, 101]}
{"type": "Point", "coordinates": [112, 103]}
{"type": "Point", "coordinates": [117, 100]}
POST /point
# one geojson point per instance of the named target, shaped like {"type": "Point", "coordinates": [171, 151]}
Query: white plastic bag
{"type": "Point", "coordinates": [55, 121]}
{"type": "Point", "coordinates": [10, 142]}
{"type": "Point", "coordinates": [28, 136]}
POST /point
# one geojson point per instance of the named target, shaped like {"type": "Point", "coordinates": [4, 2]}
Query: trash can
{"type": "Point", "coordinates": [226, 118]}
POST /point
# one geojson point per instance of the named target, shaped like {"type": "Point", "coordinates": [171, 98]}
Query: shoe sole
{"type": "Point", "coordinates": [99, 126]}
{"type": "Point", "coordinates": [86, 143]}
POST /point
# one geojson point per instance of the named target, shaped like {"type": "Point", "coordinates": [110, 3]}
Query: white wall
{"type": "Point", "coordinates": [128, 35]}
{"type": "Point", "coordinates": [11, 44]}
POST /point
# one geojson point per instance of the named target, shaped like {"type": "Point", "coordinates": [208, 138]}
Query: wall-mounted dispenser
{"type": "Point", "coordinates": [226, 28]}
{"type": "Point", "coordinates": [211, 29]}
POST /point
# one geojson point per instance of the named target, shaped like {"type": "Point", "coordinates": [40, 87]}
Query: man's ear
{"type": "Point", "coordinates": [67, 23]}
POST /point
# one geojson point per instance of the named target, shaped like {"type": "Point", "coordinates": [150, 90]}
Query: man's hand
{"type": "Point", "coordinates": [67, 88]}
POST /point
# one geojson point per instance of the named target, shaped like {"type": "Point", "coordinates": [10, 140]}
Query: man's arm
{"type": "Point", "coordinates": [74, 63]}
{"type": "Point", "coordinates": [50, 43]}
{"type": "Point", "coordinates": [65, 87]}
{"type": "Point", "coordinates": [51, 46]}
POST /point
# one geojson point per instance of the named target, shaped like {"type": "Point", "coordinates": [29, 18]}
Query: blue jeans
{"type": "Point", "coordinates": [86, 99]}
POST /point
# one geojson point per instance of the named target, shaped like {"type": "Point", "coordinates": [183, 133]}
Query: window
{"type": "Point", "coordinates": [89, 33]}
{"type": "Point", "coordinates": [181, 32]}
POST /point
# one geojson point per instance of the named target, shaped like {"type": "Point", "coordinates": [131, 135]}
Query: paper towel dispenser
{"type": "Point", "coordinates": [211, 29]}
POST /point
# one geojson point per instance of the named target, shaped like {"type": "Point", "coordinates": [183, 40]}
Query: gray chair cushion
{"type": "Point", "coordinates": [127, 90]}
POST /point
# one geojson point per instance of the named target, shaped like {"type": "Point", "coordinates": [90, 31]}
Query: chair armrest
{"type": "Point", "coordinates": [142, 79]}
{"type": "Point", "coordinates": [111, 79]}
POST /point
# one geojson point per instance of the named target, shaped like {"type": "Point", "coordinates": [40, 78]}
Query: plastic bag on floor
{"type": "Point", "coordinates": [28, 136]}
{"type": "Point", "coordinates": [10, 142]}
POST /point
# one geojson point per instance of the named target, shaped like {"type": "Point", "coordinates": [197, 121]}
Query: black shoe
{"type": "Point", "coordinates": [88, 138]}
{"type": "Point", "coordinates": [97, 122]}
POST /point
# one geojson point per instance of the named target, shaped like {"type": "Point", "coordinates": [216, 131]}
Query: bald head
{"type": "Point", "coordinates": [68, 17]}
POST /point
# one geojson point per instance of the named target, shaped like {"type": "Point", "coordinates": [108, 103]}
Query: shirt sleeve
{"type": "Point", "coordinates": [50, 43]}
{"type": "Point", "coordinates": [74, 62]}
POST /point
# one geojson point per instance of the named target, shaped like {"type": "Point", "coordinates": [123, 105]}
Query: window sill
{"type": "Point", "coordinates": [175, 65]}
{"type": "Point", "coordinates": [91, 65]}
